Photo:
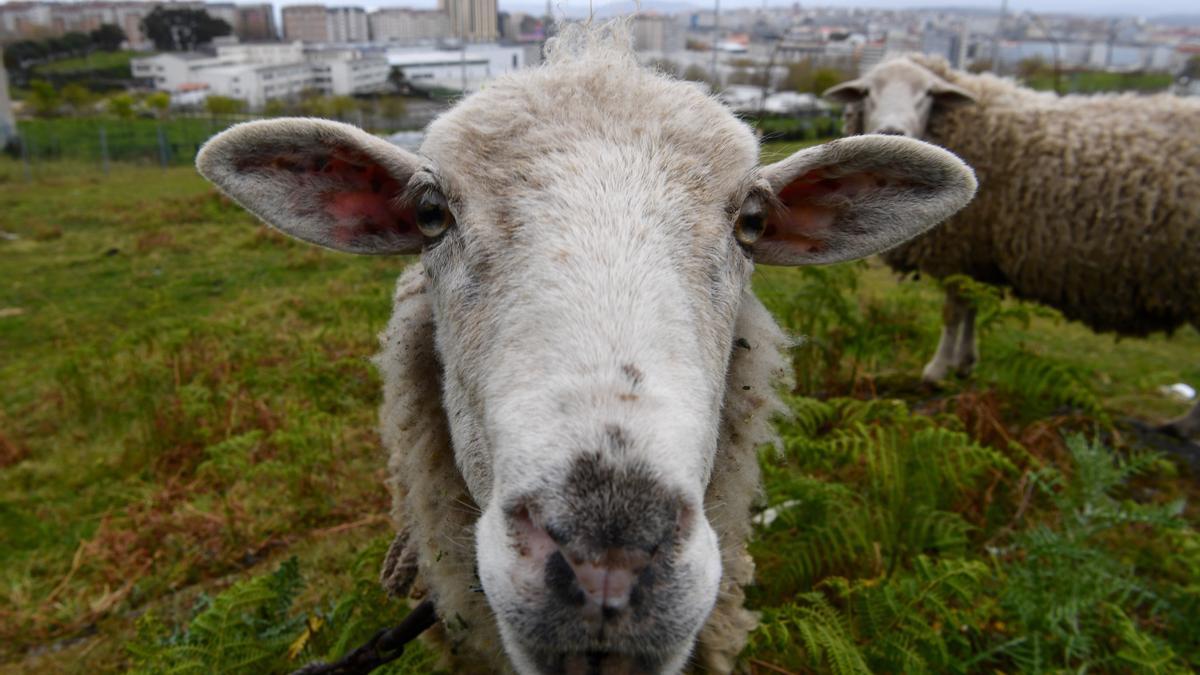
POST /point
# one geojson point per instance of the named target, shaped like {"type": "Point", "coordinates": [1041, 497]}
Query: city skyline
{"type": "Point", "coordinates": [574, 8]}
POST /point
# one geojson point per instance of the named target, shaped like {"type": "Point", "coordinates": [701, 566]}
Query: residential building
{"type": "Point", "coordinates": [306, 23]}
{"type": "Point", "coordinates": [409, 26]}
{"type": "Point", "coordinates": [256, 23]}
{"type": "Point", "coordinates": [656, 33]}
{"type": "Point", "coordinates": [347, 24]}
{"type": "Point", "coordinates": [471, 20]}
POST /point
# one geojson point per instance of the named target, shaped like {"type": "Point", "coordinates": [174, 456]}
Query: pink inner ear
{"type": "Point", "coordinates": [808, 212]}
{"type": "Point", "coordinates": [364, 203]}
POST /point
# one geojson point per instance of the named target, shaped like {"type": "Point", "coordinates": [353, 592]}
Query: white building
{"type": "Point", "coordinates": [257, 73]}
{"type": "Point", "coordinates": [450, 68]}
{"type": "Point", "coordinates": [409, 26]}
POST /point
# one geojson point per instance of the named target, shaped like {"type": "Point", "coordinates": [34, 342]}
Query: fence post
{"type": "Point", "coordinates": [25, 141]}
{"type": "Point", "coordinates": [103, 150]}
{"type": "Point", "coordinates": [162, 147]}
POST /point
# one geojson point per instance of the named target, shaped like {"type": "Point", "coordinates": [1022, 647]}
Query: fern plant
{"type": "Point", "coordinates": [1075, 598]}
{"type": "Point", "coordinates": [252, 627]}
{"type": "Point", "coordinates": [243, 630]}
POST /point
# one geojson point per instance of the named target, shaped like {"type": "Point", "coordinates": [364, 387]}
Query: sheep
{"type": "Point", "coordinates": [1088, 204]}
{"type": "Point", "coordinates": [576, 374]}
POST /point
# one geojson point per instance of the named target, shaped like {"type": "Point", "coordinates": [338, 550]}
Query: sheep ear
{"type": "Point", "coordinates": [857, 196]}
{"type": "Point", "coordinates": [948, 94]}
{"type": "Point", "coordinates": [324, 182]}
{"type": "Point", "coordinates": [847, 92]}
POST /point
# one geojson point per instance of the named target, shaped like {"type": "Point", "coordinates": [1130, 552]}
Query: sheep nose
{"type": "Point", "coordinates": [600, 562]}
{"type": "Point", "coordinates": [891, 131]}
{"type": "Point", "coordinates": [601, 586]}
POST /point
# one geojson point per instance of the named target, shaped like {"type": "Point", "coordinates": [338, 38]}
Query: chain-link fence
{"type": "Point", "coordinates": [167, 142]}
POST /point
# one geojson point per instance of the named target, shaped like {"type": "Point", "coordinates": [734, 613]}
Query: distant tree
{"type": "Point", "coordinates": [804, 77]}
{"type": "Point", "coordinates": [44, 98]}
{"type": "Point", "coordinates": [76, 43]}
{"type": "Point", "coordinates": [160, 103]}
{"type": "Point", "coordinates": [1031, 66]}
{"type": "Point", "coordinates": [19, 55]}
{"type": "Point", "coordinates": [274, 108]}
{"type": "Point", "coordinates": [121, 105]}
{"type": "Point", "coordinates": [181, 29]}
{"type": "Point", "coordinates": [391, 107]}
{"type": "Point", "coordinates": [825, 78]}
{"type": "Point", "coordinates": [77, 97]}
{"type": "Point", "coordinates": [1191, 69]}
{"type": "Point", "coordinates": [980, 66]}
{"type": "Point", "coordinates": [108, 37]}
{"type": "Point", "coordinates": [313, 103]}
{"type": "Point", "coordinates": [224, 105]}
{"type": "Point", "coordinates": [342, 106]}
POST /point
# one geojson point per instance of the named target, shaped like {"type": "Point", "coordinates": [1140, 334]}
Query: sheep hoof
{"type": "Point", "coordinates": [399, 566]}
{"type": "Point", "coordinates": [934, 373]}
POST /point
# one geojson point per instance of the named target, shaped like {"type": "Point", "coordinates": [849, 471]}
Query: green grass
{"type": "Point", "coordinates": [1098, 81]}
{"type": "Point", "coordinates": [116, 62]}
{"type": "Point", "coordinates": [187, 405]}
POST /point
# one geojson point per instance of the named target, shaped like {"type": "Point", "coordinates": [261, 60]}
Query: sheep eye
{"type": "Point", "coordinates": [749, 227]}
{"type": "Point", "coordinates": [433, 215]}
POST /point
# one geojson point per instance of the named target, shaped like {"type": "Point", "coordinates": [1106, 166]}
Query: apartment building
{"type": "Point", "coordinates": [347, 24]}
{"type": "Point", "coordinates": [471, 20]}
{"type": "Point", "coordinates": [256, 23]}
{"type": "Point", "coordinates": [409, 26]}
{"type": "Point", "coordinates": [306, 23]}
{"type": "Point", "coordinates": [657, 33]}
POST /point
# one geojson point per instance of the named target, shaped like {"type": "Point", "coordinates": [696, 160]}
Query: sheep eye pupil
{"type": "Point", "coordinates": [749, 228]}
{"type": "Point", "coordinates": [433, 217]}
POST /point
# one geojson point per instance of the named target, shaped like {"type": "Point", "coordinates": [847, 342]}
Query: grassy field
{"type": "Point", "coordinates": [116, 62]}
{"type": "Point", "coordinates": [1099, 81]}
{"type": "Point", "coordinates": [190, 477]}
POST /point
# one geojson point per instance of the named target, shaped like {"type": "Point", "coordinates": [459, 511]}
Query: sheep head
{"type": "Point", "coordinates": [896, 97]}
{"type": "Point", "coordinates": [588, 229]}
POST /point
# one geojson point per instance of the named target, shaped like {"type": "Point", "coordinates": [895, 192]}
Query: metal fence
{"type": "Point", "coordinates": [167, 142]}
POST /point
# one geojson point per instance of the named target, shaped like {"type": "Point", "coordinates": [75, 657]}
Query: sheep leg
{"type": "Point", "coordinates": [966, 352]}
{"type": "Point", "coordinates": [946, 358]}
{"type": "Point", "coordinates": [1186, 426]}
{"type": "Point", "coordinates": [399, 566]}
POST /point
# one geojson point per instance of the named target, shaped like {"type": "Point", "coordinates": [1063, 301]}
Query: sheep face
{"type": "Point", "coordinates": [895, 97]}
{"type": "Point", "coordinates": [588, 231]}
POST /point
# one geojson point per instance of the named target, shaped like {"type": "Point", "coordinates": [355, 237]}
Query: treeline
{"type": "Point", "coordinates": [22, 55]}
